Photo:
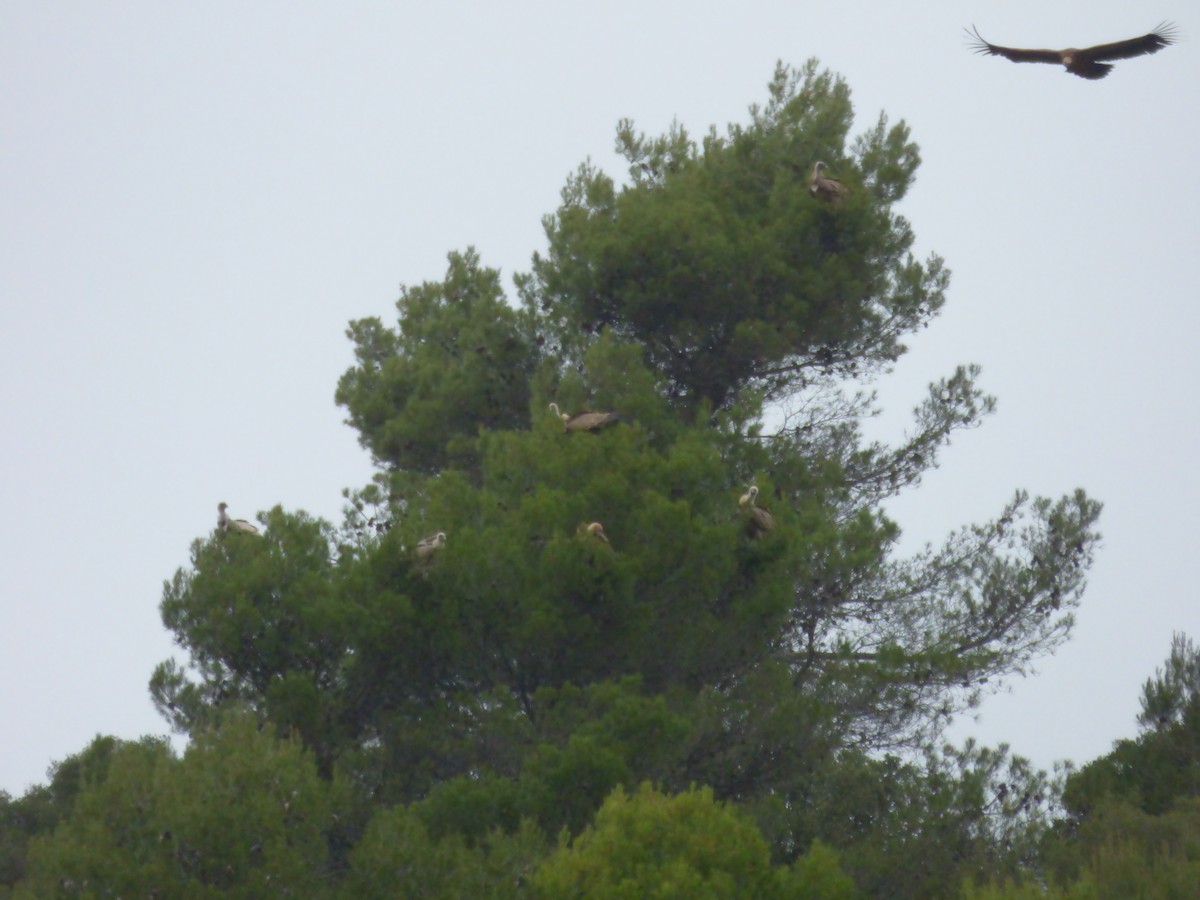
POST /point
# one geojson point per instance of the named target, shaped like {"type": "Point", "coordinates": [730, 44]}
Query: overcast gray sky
{"type": "Point", "coordinates": [195, 199]}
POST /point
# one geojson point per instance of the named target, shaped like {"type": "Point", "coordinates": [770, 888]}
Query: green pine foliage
{"type": "Point", "coordinates": [458, 360]}
{"type": "Point", "coordinates": [42, 808]}
{"type": "Point", "coordinates": [781, 683]}
{"type": "Point", "coordinates": [697, 299]}
{"type": "Point", "coordinates": [718, 262]}
{"type": "Point", "coordinates": [1132, 822]}
{"type": "Point", "coordinates": [398, 857]}
{"type": "Point", "coordinates": [241, 814]}
{"type": "Point", "coordinates": [686, 846]}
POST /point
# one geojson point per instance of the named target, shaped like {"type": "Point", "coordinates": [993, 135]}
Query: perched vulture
{"type": "Point", "coordinates": [586, 421]}
{"type": "Point", "coordinates": [1090, 62]}
{"type": "Point", "coordinates": [760, 521]}
{"type": "Point", "coordinates": [431, 545]}
{"type": "Point", "coordinates": [595, 530]}
{"type": "Point", "coordinates": [828, 189]}
{"type": "Point", "coordinates": [225, 523]}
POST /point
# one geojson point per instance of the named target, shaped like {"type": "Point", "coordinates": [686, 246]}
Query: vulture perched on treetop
{"type": "Point", "coordinates": [585, 421]}
{"type": "Point", "coordinates": [430, 545]}
{"type": "Point", "coordinates": [225, 523]}
{"type": "Point", "coordinates": [760, 521]}
{"type": "Point", "coordinates": [1090, 62]}
{"type": "Point", "coordinates": [828, 189]}
{"type": "Point", "coordinates": [595, 530]}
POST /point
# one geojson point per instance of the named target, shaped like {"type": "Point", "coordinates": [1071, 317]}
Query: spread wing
{"type": "Point", "coordinates": [1016, 54]}
{"type": "Point", "coordinates": [1162, 36]}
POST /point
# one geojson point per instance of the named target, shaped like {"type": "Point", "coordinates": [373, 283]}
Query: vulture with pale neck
{"type": "Point", "coordinates": [823, 188]}
{"type": "Point", "coordinates": [760, 521]}
{"type": "Point", "coordinates": [225, 523]}
{"type": "Point", "coordinates": [431, 545]}
{"type": "Point", "coordinates": [1089, 62]}
{"type": "Point", "coordinates": [585, 421]}
{"type": "Point", "coordinates": [594, 530]}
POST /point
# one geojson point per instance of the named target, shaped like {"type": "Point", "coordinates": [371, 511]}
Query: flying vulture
{"type": "Point", "coordinates": [585, 421]}
{"type": "Point", "coordinates": [225, 523]}
{"type": "Point", "coordinates": [595, 530]}
{"type": "Point", "coordinates": [760, 521]}
{"type": "Point", "coordinates": [828, 189]}
{"type": "Point", "coordinates": [431, 545]}
{"type": "Point", "coordinates": [1090, 62]}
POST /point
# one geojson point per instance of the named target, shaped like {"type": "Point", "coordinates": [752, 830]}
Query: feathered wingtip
{"type": "Point", "coordinates": [976, 42]}
{"type": "Point", "coordinates": [1167, 34]}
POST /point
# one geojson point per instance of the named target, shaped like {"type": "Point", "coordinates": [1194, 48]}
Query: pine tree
{"type": "Point", "coordinates": [1132, 823]}
{"type": "Point", "coordinates": [240, 815]}
{"type": "Point", "coordinates": [525, 669]}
